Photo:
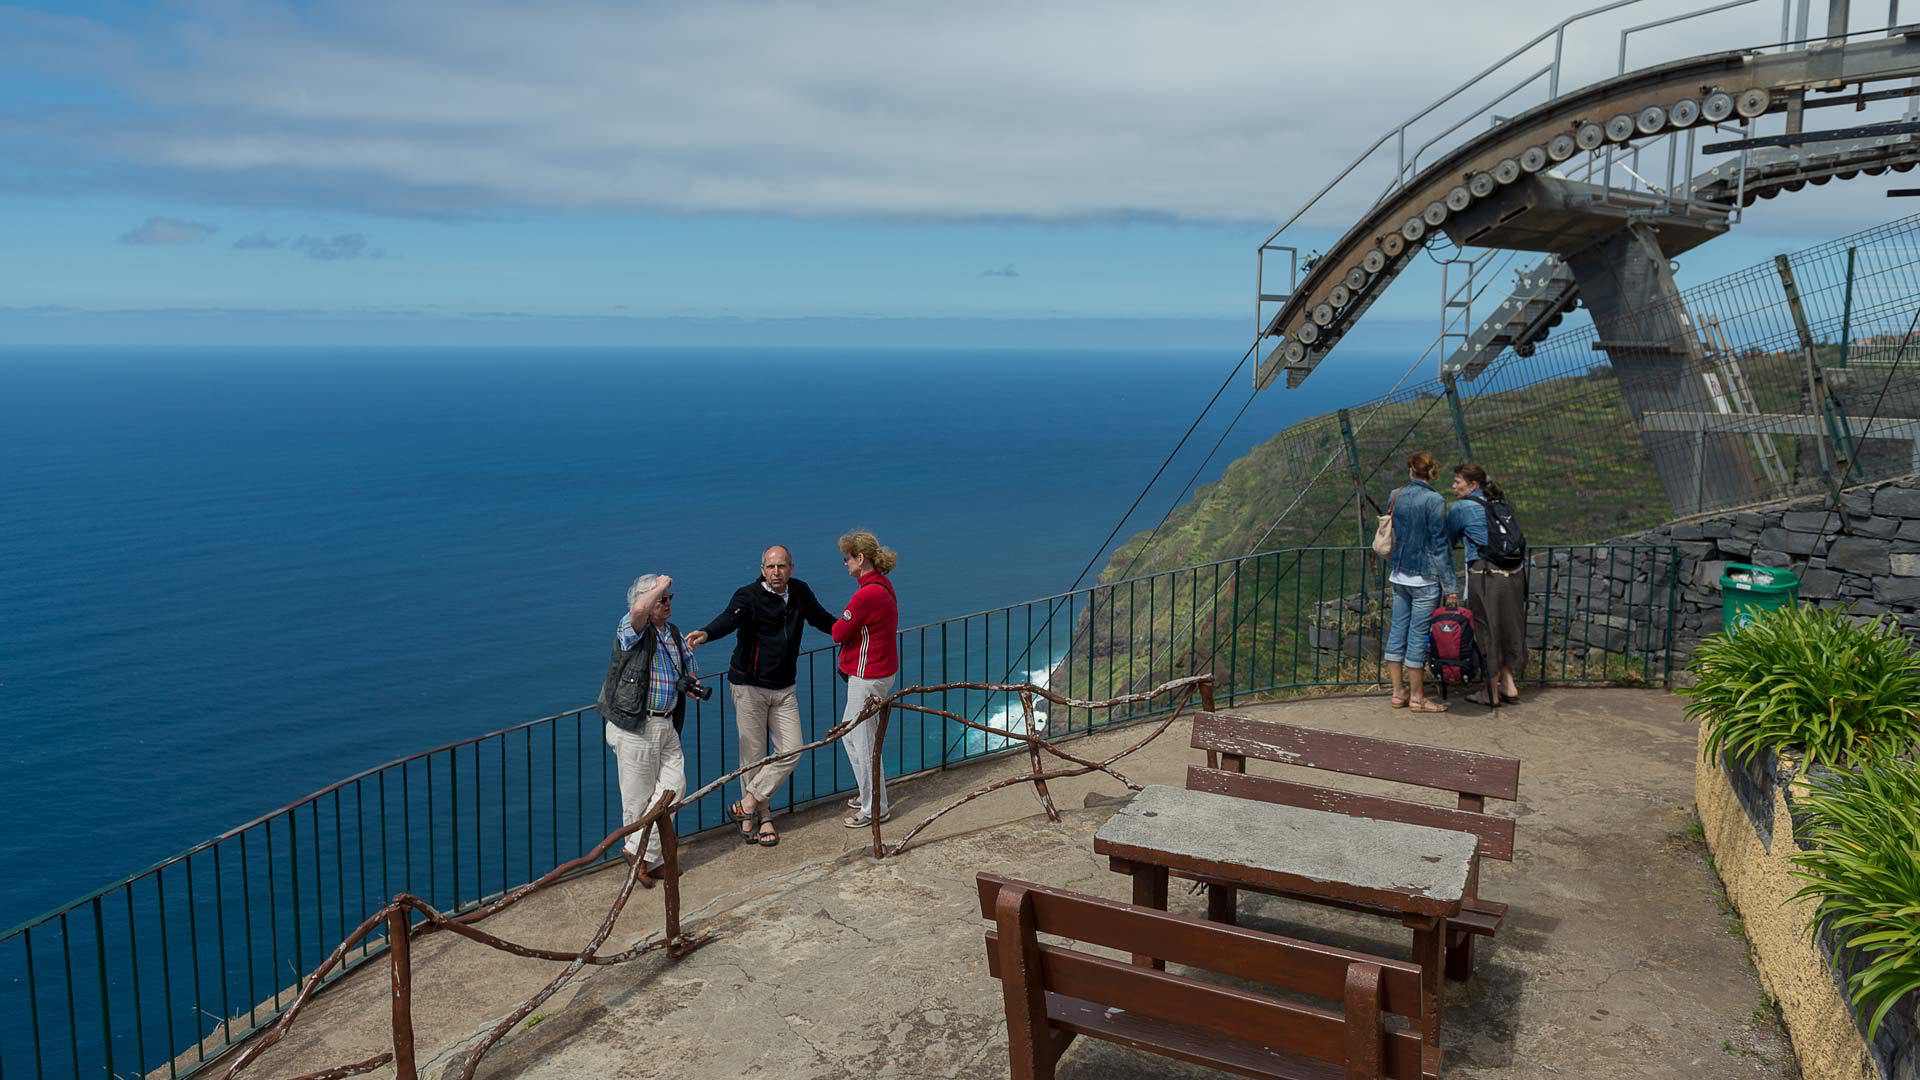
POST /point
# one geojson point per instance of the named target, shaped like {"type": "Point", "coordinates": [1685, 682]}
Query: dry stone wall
{"type": "Point", "coordinates": [1868, 563]}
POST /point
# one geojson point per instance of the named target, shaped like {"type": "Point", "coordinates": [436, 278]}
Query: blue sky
{"type": "Point", "coordinates": [598, 173]}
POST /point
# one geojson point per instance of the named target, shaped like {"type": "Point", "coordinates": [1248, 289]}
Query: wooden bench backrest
{"type": "Point", "coordinates": [1483, 776]}
{"type": "Point", "coordinates": [1367, 985]}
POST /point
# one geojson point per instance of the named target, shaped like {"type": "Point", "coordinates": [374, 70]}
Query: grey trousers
{"type": "Point", "coordinates": [758, 712]}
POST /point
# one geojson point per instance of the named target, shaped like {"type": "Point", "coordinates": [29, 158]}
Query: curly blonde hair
{"type": "Point", "coordinates": [862, 542]}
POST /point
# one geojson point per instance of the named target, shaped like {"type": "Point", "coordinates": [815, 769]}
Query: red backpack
{"type": "Point", "coordinates": [1452, 654]}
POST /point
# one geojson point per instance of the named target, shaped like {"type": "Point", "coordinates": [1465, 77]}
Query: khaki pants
{"type": "Point", "coordinates": [757, 712]}
{"type": "Point", "coordinates": [649, 761]}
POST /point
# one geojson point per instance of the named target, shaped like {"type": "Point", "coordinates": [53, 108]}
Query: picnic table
{"type": "Point", "coordinates": [1421, 872]}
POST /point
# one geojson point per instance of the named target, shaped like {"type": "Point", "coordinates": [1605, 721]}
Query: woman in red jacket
{"type": "Point", "coordinates": [869, 661]}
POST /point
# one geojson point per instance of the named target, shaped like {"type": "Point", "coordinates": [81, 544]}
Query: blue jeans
{"type": "Point", "coordinates": [1407, 634]}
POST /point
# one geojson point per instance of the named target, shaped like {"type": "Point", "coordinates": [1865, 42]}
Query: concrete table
{"type": "Point", "coordinates": [1420, 872]}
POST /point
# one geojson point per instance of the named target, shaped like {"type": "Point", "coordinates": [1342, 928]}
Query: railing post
{"type": "Point", "coordinates": [1459, 417]}
{"type": "Point", "coordinates": [1233, 642]}
{"type": "Point", "coordinates": [400, 967]}
{"type": "Point", "coordinates": [1354, 472]}
{"type": "Point", "coordinates": [1836, 457]}
{"type": "Point", "coordinates": [1846, 313]}
{"type": "Point", "coordinates": [1673, 609]}
{"type": "Point", "coordinates": [670, 872]}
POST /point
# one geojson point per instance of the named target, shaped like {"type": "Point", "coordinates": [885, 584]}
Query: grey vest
{"type": "Point", "coordinates": [623, 696]}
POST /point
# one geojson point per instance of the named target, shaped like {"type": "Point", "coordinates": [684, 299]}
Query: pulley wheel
{"type": "Point", "coordinates": [1392, 244]}
{"type": "Point", "coordinates": [1533, 159]}
{"type": "Point", "coordinates": [1339, 295]}
{"type": "Point", "coordinates": [1480, 185]}
{"type": "Point", "coordinates": [1413, 229]}
{"type": "Point", "coordinates": [1590, 136]}
{"type": "Point", "coordinates": [1356, 279]}
{"type": "Point", "coordinates": [1459, 199]}
{"type": "Point", "coordinates": [1308, 332]}
{"type": "Point", "coordinates": [1561, 147]}
{"type": "Point", "coordinates": [1684, 112]}
{"type": "Point", "coordinates": [1373, 261]}
{"type": "Point", "coordinates": [1620, 127]}
{"type": "Point", "coordinates": [1435, 213]}
{"type": "Point", "coordinates": [1650, 119]}
{"type": "Point", "coordinates": [1753, 102]}
{"type": "Point", "coordinates": [1507, 171]}
{"type": "Point", "coordinates": [1323, 314]}
{"type": "Point", "coordinates": [1717, 107]}
{"type": "Point", "coordinates": [1293, 353]}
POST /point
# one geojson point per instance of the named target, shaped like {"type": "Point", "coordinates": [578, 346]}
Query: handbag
{"type": "Point", "coordinates": [1383, 532]}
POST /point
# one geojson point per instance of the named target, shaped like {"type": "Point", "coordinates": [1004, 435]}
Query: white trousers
{"type": "Point", "coordinates": [649, 761]}
{"type": "Point", "coordinates": [758, 711]}
{"type": "Point", "coordinates": [859, 742]}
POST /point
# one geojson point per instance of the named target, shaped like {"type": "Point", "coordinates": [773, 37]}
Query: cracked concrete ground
{"type": "Point", "coordinates": [1619, 958]}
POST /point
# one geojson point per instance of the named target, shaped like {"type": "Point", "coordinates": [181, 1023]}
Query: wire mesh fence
{"type": "Point", "coordinates": [1720, 398]}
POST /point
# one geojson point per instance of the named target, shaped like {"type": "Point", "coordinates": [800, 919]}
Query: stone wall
{"type": "Point", "coordinates": [1872, 564]}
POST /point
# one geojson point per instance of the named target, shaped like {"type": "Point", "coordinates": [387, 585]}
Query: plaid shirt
{"type": "Point", "coordinates": [663, 681]}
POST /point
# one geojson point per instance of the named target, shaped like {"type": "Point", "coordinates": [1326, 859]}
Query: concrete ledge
{"type": "Point", "coordinates": [1792, 967]}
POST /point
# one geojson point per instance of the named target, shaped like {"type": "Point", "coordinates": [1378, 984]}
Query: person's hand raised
{"type": "Point", "coordinates": [695, 639]}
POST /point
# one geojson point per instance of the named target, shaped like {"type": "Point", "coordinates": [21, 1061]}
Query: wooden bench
{"type": "Point", "coordinates": [1055, 993]}
{"type": "Point", "coordinates": [1474, 778]}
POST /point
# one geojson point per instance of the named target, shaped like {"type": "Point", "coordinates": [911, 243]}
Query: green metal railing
{"type": "Point", "coordinates": [163, 971]}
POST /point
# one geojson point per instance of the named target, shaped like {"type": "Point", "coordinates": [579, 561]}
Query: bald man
{"type": "Point", "coordinates": [768, 615]}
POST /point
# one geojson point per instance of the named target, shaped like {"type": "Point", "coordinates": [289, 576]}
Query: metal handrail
{"type": "Point", "coordinates": [1557, 31]}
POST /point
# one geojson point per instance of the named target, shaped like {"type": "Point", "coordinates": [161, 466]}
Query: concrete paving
{"type": "Point", "coordinates": [1620, 957]}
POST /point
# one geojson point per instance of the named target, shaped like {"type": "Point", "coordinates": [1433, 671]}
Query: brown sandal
{"type": "Point", "coordinates": [1426, 706]}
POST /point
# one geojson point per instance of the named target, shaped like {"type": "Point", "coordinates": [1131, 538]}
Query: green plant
{"type": "Point", "coordinates": [1864, 869]}
{"type": "Point", "coordinates": [1808, 679]}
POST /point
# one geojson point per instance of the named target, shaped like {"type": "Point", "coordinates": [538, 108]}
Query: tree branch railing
{"type": "Point", "coordinates": [397, 918]}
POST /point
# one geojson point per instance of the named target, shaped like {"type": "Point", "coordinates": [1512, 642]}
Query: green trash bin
{"type": "Point", "coordinates": [1747, 591]}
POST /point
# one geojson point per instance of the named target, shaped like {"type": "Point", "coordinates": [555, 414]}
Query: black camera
{"type": "Point", "coordinates": [691, 686]}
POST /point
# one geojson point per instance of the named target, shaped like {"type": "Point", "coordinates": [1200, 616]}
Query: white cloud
{"type": "Point", "coordinates": [165, 231]}
{"type": "Point", "coordinates": [1234, 110]}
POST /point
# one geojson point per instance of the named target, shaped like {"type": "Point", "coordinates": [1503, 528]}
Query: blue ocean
{"type": "Point", "coordinates": [230, 577]}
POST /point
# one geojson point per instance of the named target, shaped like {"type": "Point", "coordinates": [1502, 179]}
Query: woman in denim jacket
{"type": "Point", "coordinates": [1419, 571]}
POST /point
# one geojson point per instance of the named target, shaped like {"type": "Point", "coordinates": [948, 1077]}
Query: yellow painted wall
{"type": "Point", "coordinates": [1791, 968]}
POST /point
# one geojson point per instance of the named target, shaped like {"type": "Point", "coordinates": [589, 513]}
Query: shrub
{"type": "Point", "coordinates": [1807, 679]}
{"type": "Point", "coordinates": [1864, 869]}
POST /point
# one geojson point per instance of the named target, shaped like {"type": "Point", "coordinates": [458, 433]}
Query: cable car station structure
{"type": "Point", "coordinates": [1609, 182]}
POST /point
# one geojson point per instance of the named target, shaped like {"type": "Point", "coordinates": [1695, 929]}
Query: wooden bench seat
{"type": "Point", "coordinates": [1471, 777]}
{"type": "Point", "coordinates": [1053, 993]}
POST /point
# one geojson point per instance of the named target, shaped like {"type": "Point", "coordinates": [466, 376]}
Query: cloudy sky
{"type": "Point", "coordinates": [599, 172]}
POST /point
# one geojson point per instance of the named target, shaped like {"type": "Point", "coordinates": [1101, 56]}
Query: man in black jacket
{"type": "Point", "coordinates": [768, 615]}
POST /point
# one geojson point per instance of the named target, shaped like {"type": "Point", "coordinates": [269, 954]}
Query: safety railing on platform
{"type": "Point", "coordinates": [163, 972]}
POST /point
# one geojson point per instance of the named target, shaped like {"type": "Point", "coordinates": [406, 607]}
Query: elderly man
{"type": "Point", "coordinates": [643, 700]}
{"type": "Point", "coordinates": [770, 615]}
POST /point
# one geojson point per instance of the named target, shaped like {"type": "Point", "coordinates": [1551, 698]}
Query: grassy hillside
{"type": "Point", "coordinates": [1566, 452]}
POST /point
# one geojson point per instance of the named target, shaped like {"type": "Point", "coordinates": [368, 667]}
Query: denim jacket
{"type": "Point", "coordinates": [1467, 526]}
{"type": "Point", "coordinates": [1420, 535]}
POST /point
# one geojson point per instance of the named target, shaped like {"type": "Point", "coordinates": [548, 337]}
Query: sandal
{"type": "Point", "coordinates": [1424, 705]}
{"type": "Point", "coordinates": [768, 837]}
{"type": "Point", "coordinates": [746, 832]}
{"type": "Point", "coordinates": [1508, 699]}
{"type": "Point", "coordinates": [1397, 702]}
{"type": "Point", "coordinates": [736, 811]}
{"type": "Point", "coordinates": [861, 821]}
{"type": "Point", "coordinates": [853, 803]}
